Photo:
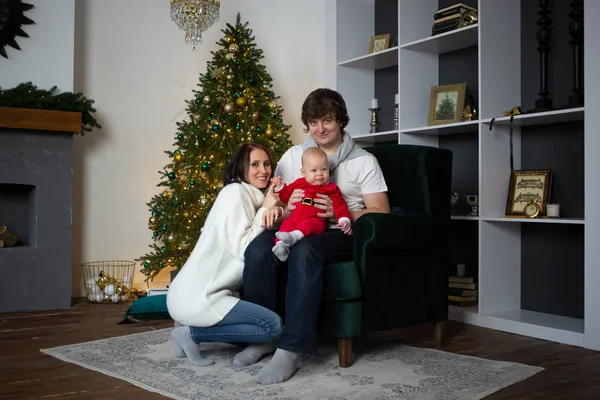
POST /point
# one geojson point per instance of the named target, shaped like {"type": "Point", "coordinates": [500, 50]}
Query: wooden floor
{"type": "Point", "coordinates": [26, 373]}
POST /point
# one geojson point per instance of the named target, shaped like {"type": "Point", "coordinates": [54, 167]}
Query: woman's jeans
{"type": "Point", "coordinates": [304, 271]}
{"type": "Point", "coordinates": [245, 323]}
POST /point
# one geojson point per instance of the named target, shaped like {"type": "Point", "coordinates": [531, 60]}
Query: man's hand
{"type": "Point", "coordinates": [296, 196]}
{"type": "Point", "coordinates": [324, 203]}
{"type": "Point", "coordinates": [346, 226]}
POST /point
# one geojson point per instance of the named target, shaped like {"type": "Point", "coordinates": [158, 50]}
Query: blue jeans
{"type": "Point", "coordinates": [304, 282]}
{"type": "Point", "coordinates": [245, 323]}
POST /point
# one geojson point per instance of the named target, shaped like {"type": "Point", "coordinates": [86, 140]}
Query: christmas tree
{"type": "Point", "coordinates": [446, 108]}
{"type": "Point", "coordinates": [235, 104]}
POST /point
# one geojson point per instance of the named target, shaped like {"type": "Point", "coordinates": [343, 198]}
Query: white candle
{"type": "Point", "coordinates": [553, 210]}
{"type": "Point", "coordinates": [397, 99]}
{"type": "Point", "coordinates": [374, 103]}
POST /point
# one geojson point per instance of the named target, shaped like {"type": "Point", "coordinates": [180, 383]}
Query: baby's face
{"type": "Point", "coordinates": [316, 170]}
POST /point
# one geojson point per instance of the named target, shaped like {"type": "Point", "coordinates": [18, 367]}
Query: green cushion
{"type": "Point", "coordinates": [149, 307]}
{"type": "Point", "coordinates": [341, 282]}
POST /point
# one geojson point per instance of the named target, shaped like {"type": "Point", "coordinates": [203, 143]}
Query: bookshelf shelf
{"type": "Point", "coordinates": [446, 42]}
{"type": "Point", "coordinates": [446, 129]}
{"type": "Point", "coordinates": [542, 118]}
{"type": "Point", "coordinates": [376, 137]}
{"type": "Point", "coordinates": [524, 322]}
{"type": "Point", "coordinates": [382, 59]}
{"type": "Point", "coordinates": [577, 221]}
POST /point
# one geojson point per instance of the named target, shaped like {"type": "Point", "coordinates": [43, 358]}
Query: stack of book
{"type": "Point", "coordinates": [462, 291]}
{"type": "Point", "coordinates": [456, 16]}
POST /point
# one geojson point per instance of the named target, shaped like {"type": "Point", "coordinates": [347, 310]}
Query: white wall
{"type": "Point", "coordinates": [46, 57]}
{"type": "Point", "coordinates": [132, 60]}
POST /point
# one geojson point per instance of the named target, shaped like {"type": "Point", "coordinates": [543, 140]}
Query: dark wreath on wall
{"type": "Point", "coordinates": [11, 19]}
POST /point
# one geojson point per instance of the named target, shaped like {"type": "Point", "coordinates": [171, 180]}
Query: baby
{"type": "Point", "coordinates": [303, 220]}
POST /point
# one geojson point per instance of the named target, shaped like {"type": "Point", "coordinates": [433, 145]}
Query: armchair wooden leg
{"type": "Point", "coordinates": [345, 352]}
{"type": "Point", "coordinates": [439, 333]}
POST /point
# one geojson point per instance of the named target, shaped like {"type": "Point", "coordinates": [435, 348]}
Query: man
{"type": "Point", "coordinates": [361, 181]}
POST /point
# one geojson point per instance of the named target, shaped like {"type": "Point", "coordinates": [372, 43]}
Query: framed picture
{"type": "Point", "coordinates": [527, 186]}
{"type": "Point", "coordinates": [446, 104]}
{"type": "Point", "coordinates": [379, 42]}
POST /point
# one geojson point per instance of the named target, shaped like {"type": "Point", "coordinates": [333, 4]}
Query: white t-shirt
{"type": "Point", "coordinates": [356, 177]}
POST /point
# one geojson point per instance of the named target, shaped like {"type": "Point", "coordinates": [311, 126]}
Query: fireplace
{"type": "Point", "coordinates": [18, 211]}
{"type": "Point", "coordinates": [35, 204]}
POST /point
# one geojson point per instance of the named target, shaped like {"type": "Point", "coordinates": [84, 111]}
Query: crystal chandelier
{"type": "Point", "coordinates": [194, 17]}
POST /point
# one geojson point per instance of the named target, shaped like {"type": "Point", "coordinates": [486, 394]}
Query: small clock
{"type": "Point", "coordinates": [531, 210]}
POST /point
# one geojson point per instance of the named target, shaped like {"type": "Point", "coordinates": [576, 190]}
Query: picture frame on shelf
{"type": "Point", "coordinates": [446, 103]}
{"type": "Point", "coordinates": [379, 43]}
{"type": "Point", "coordinates": [527, 186]}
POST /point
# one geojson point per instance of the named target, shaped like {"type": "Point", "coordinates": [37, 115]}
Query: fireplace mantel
{"type": "Point", "coordinates": [44, 120]}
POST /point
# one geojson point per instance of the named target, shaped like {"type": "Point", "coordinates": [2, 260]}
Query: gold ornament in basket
{"type": "Point", "coordinates": [108, 281]}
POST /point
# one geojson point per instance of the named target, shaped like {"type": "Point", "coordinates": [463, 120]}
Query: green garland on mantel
{"type": "Point", "coordinates": [27, 95]}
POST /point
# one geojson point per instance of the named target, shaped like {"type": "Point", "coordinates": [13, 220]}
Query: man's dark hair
{"type": "Point", "coordinates": [323, 102]}
{"type": "Point", "coordinates": [238, 165]}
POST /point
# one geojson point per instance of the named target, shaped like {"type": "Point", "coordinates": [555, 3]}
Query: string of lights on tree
{"type": "Point", "coordinates": [235, 104]}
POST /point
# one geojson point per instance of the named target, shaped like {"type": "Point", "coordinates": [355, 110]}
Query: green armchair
{"type": "Point", "coordinates": [398, 275]}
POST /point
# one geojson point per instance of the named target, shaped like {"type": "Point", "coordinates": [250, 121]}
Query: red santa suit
{"type": "Point", "coordinates": [304, 217]}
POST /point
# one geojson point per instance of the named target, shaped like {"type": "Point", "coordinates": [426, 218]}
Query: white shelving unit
{"type": "Point", "coordinates": [498, 39]}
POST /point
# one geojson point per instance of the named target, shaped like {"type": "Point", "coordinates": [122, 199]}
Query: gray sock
{"type": "Point", "coordinates": [254, 352]}
{"type": "Point", "coordinates": [183, 338]}
{"type": "Point", "coordinates": [179, 353]}
{"type": "Point", "coordinates": [281, 368]}
{"type": "Point", "coordinates": [289, 238]}
{"type": "Point", "coordinates": [281, 251]}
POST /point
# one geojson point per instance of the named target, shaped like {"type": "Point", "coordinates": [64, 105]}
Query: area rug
{"type": "Point", "coordinates": [391, 371]}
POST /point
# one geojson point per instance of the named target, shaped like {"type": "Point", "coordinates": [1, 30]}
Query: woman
{"type": "Point", "coordinates": [200, 298]}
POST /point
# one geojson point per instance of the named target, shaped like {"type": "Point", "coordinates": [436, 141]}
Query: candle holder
{"type": "Point", "coordinates": [396, 117]}
{"type": "Point", "coordinates": [374, 121]}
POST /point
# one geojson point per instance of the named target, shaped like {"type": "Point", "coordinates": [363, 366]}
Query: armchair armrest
{"type": "Point", "coordinates": [394, 231]}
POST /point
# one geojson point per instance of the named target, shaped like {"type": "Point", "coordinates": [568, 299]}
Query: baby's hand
{"type": "Point", "coordinates": [346, 226]}
{"type": "Point", "coordinates": [276, 181]}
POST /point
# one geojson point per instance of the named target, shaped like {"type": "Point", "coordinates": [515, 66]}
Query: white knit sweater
{"type": "Point", "coordinates": [202, 292]}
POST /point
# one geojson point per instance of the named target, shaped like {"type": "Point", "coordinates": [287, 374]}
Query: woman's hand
{"type": "Point", "coordinates": [297, 196]}
{"type": "Point", "coordinates": [271, 215]}
{"type": "Point", "coordinates": [271, 198]}
{"type": "Point", "coordinates": [324, 203]}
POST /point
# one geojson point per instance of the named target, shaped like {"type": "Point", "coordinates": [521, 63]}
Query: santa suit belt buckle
{"type": "Point", "coordinates": [307, 201]}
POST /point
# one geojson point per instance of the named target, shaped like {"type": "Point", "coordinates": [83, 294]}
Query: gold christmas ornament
{"type": "Point", "coordinates": [229, 77]}
{"type": "Point", "coordinates": [240, 101]}
{"type": "Point", "coordinates": [194, 17]}
{"type": "Point", "coordinates": [233, 48]}
{"type": "Point", "coordinates": [269, 132]}
{"type": "Point", "coordinates": [228, 107]}
{"type": "Point", "coordinates": [178, 157]}
{"type": "Point", "coordinates": [273, 104]}
{"type": "Point", "coordinates": [255, 115]}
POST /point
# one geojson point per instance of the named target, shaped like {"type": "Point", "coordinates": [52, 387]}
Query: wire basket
{"type": "Point", "coordinates": [108, 281]}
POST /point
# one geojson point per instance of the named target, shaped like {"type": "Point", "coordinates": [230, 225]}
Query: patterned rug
{"type": "Point", "coordinates": [388, 372]}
